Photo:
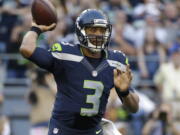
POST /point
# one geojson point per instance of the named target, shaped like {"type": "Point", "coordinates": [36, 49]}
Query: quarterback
{"type": "Point", "coordinates": [85, 73]}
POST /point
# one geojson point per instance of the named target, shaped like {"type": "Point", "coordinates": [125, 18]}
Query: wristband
{"type": "Point", "coordinates": [36, 29]}
{"type": "Point", "coordinates": [122, 94]}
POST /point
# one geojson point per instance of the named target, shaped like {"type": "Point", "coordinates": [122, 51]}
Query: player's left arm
{"type": "Point", "coordinates": [122, 81]}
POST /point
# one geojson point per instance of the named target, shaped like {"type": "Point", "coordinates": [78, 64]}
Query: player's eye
{"type": "Point", "coordinates": [93, 29]}
{"type": "Point", "coordinates": [102, 30]}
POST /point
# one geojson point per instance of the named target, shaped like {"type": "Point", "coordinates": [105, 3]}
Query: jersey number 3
{"type": "Point", "coordinates": [94, 99]}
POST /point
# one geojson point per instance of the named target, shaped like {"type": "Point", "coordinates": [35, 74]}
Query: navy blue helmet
{"type": "Point", "coordinates": [93, 18]}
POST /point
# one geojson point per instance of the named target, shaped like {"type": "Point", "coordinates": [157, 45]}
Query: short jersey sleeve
{"type": "Point", "coordinates": [47, 59]}
{"type": "Point", "coordinates": [43, 58]}
{"type": "Point", "coordinates": [121, 57]}
{"type": "Point", "coordinates": [118, 59]}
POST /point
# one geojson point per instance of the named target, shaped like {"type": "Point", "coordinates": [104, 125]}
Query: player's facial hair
{"type": "Point", "coordinates": [96, 40]}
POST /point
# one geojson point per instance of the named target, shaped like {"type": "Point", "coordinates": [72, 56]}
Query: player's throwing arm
{"type": "Point", "coordinates": [44, 19]}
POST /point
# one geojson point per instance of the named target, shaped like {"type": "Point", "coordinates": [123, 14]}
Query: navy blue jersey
{"type": "Point", "coordinates": [83, 89]}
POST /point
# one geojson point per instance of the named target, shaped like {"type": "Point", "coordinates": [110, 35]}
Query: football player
{"type": "Point", "coordinates": [85, 73]}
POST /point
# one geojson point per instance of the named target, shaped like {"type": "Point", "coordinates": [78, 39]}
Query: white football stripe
{"type": "Point", "coordinates": [117, 65]}
{"type": "Point", "coordinates": [66, 56]}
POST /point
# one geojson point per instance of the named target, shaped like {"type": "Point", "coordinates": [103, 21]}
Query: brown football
{"type": "Point", "coordinates": [43, 12]}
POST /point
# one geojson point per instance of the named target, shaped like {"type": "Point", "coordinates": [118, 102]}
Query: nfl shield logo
{"type": "Point", "coordinates": [55, 130]}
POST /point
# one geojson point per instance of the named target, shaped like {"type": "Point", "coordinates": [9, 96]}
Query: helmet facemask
{"type": "Point", "coordinates": [94, 42]}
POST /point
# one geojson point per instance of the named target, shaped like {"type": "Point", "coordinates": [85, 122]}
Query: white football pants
{"type": "Point", "coordinates": [109, 128]}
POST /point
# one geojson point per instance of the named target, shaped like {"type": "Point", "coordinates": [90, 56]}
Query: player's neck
{"type": "Point", "coordinates": [89, 53]}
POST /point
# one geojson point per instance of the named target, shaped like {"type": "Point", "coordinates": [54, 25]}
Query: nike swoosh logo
{"type": "Point", "coordinates": [97, 132]}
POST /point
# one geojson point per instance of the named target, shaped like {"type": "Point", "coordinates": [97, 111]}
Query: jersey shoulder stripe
{"type": "Point", "coordinates": [66, 51]}
{"type": "Point", "coordinates": [67, 56]}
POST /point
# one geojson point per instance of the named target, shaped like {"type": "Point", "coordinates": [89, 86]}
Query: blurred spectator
{"type": "Point", "coordinates": [7, 23]}
{"type": "Point", "coordinates": [74, 7]}
{"type": "Point", "coordinates": [2, 78]}
{"type": "Point", "coordinates": [85, 4]}
{"type": "Point", "coordinates": [154, 51]}
{"type": "Point", "coordinates": [160, 122]}
{"type": "Point", "coordinates": [4, 126]}
{"type": "Point", "coordinates": [41, 98]}
{"type": "Point", "coordinates": [146, 106]}
{"type": "Point", "coordinates": [9, 10]}
{"type": "Point", "coordinates": [4, 121]}
{"type": "Point", "coordinates": [60, 33]}
{"type": "Point", "coordinates": [123, 36]}
{"type": "Point", "coordinates": [111, 6]}
{"type": "Point", "coordinates": [134, 3]}
{"type": "Point", "coordinates": [1, 100]}
{"type": "Point", "coordinates": [167, 80]}
{"type": "Point", "coordinates": [17, 68]}
{"type": "Point", "coordinates": [147, 16]}
{"type": "Point", "coordinates": [171, 21]}
{"type": "Point", "coordinates": [12, 12]}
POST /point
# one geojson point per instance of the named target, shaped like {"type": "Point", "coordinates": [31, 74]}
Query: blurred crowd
{"type": "Point", "coordinates": [147, 31]}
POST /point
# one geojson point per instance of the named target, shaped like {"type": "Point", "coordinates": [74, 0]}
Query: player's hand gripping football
{"type": "Point", "coordinates": [122, 80]}
{"type": "Point", "coordinates": [44, 28]}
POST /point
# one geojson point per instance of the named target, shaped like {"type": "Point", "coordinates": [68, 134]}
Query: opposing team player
{"type": "Point", "coordinates": [85, 73]}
